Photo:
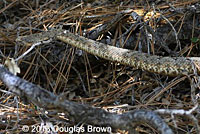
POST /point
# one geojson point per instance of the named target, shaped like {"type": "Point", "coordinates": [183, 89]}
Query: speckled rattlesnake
{"type": "Point", "coordinates": [170, 66]}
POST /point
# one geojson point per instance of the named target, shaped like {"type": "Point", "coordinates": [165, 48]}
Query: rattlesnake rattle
{"type": "Point", "coordinates": [169, 66]}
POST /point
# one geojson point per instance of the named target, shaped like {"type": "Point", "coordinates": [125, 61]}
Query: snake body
{"type": "Point", "coordinates": [170, 66]}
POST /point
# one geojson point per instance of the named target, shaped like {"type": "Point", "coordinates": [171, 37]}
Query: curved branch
{"type": "Point", "coordinates": [79, 112]}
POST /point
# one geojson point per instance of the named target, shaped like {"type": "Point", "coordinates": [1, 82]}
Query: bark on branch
{"type": "Point", "coordinates": [78, 112]}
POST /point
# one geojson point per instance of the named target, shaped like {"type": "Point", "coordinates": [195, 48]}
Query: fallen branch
{"type": "Point", "coordinates": [78, 112]}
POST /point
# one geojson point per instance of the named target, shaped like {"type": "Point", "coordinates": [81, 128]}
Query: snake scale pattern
{"type": "Point", "coordinates": [170, 66]}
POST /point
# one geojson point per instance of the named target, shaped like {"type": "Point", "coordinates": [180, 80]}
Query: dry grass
{"type": "Point", "coordinates": [88, 79]}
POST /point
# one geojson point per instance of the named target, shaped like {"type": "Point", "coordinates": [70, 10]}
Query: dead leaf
{"type": "Point", "coordinates": [12, 66]}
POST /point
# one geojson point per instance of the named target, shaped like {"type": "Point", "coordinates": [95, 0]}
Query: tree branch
{"type": "Point", "coordinates": [78, 112]}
